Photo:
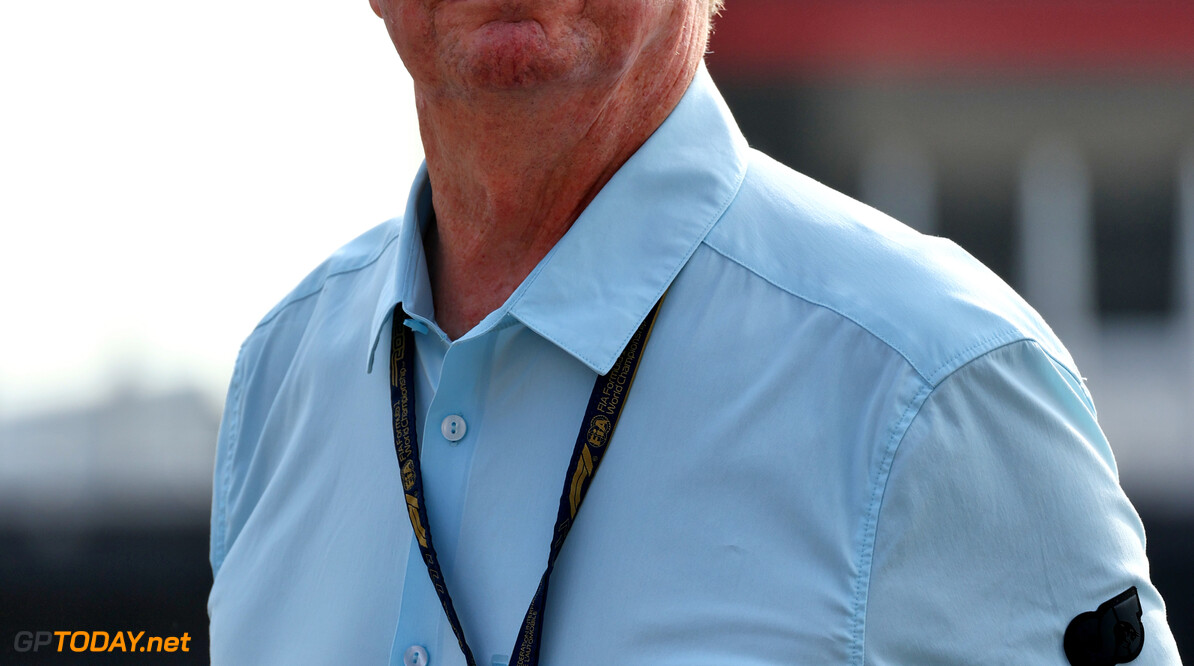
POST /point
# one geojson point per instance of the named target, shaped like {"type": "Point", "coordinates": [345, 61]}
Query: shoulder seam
{"type": "Point", "coordinates": [870, 526]}
{"type": "Point", "coordinates": [819, 304]}
{"type": "Point", "coordinates": [293, 298]}
{"type": "Point", "coordinates": [996, 347]}
{"type": "Point", "coordinates": [1002, 337]}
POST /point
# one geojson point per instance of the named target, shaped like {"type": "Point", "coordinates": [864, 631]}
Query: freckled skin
{"type": "Point", "coordinates": [526, 109]}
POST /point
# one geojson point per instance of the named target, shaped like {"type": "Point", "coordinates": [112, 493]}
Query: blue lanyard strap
{"type": "Point", "coordinates": [601, 417]}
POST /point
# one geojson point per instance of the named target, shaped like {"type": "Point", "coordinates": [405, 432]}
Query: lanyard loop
{"type": "Point", "coordinates": [601, 417]}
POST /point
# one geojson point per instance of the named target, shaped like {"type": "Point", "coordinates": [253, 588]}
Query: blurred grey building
{"type": "Point", "coordinates": [132, 459]}
{"type": "Point", "coordinates": [103, 523]}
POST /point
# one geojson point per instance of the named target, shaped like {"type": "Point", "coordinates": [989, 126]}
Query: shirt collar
{"type": "Point", "coordinates": [407, 281]}
{"type": "Point", "coordinates": [594, 288]}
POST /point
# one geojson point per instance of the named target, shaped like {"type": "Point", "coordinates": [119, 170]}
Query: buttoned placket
{"type": "Point", "coordinates": [448, 404]}
{"type": "Point", "coordinates": [459, 380]}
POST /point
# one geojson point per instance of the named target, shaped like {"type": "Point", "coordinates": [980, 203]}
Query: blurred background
{"type": "Point", "coordinates": [168, 172]}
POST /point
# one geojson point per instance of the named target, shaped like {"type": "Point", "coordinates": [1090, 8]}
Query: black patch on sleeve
{"type": "Point", "coordinates": [1112, 634]}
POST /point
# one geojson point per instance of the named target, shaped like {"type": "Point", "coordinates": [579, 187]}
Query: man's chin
{"type": "Point", "coordinates": [514, 55]}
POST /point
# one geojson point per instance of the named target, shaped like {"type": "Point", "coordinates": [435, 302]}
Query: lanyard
{"type": "Point", "coordinates": [601, 417]}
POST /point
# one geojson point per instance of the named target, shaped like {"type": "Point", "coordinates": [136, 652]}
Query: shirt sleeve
{"type": "Point", "coordinates": [1001, 520]}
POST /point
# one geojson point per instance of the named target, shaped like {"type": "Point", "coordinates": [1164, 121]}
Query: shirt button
{"type": "Point", "coordinates": [453, 428]}
{"type": "Point", "coordinates": [415, 656]}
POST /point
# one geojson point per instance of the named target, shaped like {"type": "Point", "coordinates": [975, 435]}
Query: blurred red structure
{"type": "Point", "coordinates": [851, 37]}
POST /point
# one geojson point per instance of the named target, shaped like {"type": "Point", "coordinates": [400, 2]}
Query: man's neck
{"type": "Point", "coordinates": [510, 178]}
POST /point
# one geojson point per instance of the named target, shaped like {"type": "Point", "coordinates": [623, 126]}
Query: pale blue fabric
{"type": "Point", "coordinates": [847, 443]}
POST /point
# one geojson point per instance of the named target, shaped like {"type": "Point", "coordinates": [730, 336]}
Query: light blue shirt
{"type": "Point", "coordinates": [847, 443]}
